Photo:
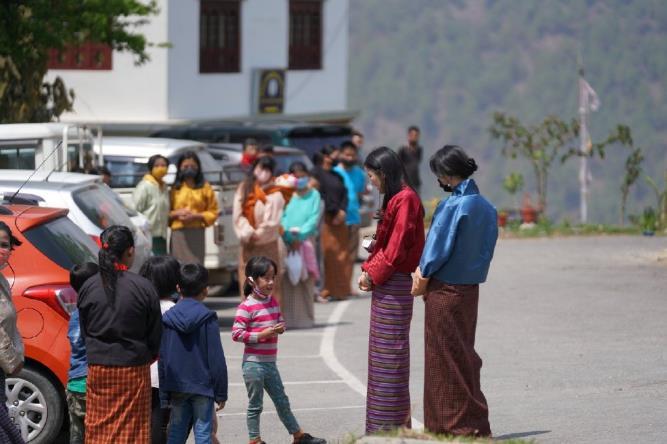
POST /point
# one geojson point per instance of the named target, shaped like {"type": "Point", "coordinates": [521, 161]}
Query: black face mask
{"type": "Point", "coordinates": [189, 173]}
{"type": "Point", "coordinates": [349, 163]}
{"type": "Point", "coordinates": [446, 187]}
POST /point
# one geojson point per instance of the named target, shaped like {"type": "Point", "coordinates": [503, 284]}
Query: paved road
{"type": "Point", "coordinates": [572, 332]}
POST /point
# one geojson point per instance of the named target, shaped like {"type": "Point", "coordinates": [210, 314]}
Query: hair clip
{"type": "Point", "coordinates": [105, 245]}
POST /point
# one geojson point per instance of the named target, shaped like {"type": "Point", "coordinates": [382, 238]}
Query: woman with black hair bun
{"type": "Point", "coordinates": [395, 254]}
{"type": "Point", "coordinates": [194, 206]}
{"type": "Point", "coordinates": [456, 259]}
{"type": "Point", "coordinates": [121, 325]}
{"type": "Point", "coordinates": [11, 342]}
{"type": "Point", "coordinates": [258, 208]}
{"type": "Point", "coordinates": [151, 198]}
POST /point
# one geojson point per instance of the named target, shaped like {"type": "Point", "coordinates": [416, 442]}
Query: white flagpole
{"type": "Point", "coordinates": [583, 159]}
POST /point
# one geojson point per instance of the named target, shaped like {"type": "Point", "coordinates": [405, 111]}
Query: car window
{"type": "Point", "coordinates": [101, 207]}
{"type": "Point", "coordinates": [63, 242]}
{"type": "Point", "coordinates": [126, 172]}
{"type": "Point", "coordinates": [18, 155]}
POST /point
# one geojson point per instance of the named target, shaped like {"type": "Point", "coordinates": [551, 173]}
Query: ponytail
{"type": "Point", "coordinates": [116, 240]}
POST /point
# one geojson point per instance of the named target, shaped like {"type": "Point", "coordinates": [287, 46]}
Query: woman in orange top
{"type": "Point", "coordinates": [258, 208]}
{"type": "Point", "coordinates": [194, 207]}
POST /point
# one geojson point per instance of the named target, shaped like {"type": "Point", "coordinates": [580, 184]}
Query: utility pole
{"type": "Point", "coordinates": [583, 148]}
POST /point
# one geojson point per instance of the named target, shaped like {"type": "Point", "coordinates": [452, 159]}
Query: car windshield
{"type": "Point", "coordinates": [313, 140]}
{"type": "Point", "coordinates": [101, 206]}
{"type": "Point", "coordinates": [63, 242]}
{"type": "Point", "coordinates": [283, 162]}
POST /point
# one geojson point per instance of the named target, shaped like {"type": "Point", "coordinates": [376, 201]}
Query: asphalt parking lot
{"type": "Point", "coordinates": [572, 333]}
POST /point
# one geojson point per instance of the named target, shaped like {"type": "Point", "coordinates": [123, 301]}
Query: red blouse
{"type": "Point", "coordinates": [399, 239]}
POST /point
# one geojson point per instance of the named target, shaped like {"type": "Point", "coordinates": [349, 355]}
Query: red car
{"type": "Point", "coordinates": [38, 273]}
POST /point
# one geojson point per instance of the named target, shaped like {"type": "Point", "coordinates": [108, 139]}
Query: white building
{"type": "Point", "coordinates": [209, 70]}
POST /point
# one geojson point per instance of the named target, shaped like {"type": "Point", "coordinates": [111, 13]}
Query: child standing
{"type": "Point", "coordinates": [258, 323]}
{"type": "Point", "coordinates": [78, 367]}
{"type": "Point", "coordinates": [192, 367]}
{"type": "Point", "coordinates": [163, 272]}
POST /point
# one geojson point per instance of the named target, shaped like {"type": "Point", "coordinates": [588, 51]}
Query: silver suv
{"type": "Point", "coordinates": [92, 205]}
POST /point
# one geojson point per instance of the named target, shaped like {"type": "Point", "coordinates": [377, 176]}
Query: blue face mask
{"type": "Point", "coordinates": [301, 183]}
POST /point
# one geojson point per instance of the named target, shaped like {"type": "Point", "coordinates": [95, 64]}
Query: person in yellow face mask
{"type": "Point", "coordinates": [151, 198]}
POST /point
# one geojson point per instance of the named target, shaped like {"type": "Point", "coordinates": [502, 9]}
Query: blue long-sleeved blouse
{"type": "Point", "coordinates": [462, 237]}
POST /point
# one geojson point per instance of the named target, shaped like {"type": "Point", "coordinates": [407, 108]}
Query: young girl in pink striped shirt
{"type": "Point", "coordinates": [258, 323]}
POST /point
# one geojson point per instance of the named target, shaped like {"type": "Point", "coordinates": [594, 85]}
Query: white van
{"type": "Point", "coordinates": [92, 205]}
{"type": "Point", "coordinates": [31, 145]}
{"type": "Point", "coordinates": [126, 158]}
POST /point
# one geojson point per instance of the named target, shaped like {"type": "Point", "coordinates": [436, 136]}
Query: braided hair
{"type": "Point", "coordinates": [116, 240]}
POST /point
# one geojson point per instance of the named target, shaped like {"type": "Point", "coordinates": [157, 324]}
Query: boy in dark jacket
{"type": "Point", "coordinates": [192, 367]}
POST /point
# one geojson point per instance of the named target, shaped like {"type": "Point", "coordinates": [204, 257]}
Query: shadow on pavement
{"type": "Point", "coordinates": [520, 435]}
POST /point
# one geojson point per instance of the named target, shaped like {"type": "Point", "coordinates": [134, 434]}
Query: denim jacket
{"type": "Point", "coordinates": [78, 363]}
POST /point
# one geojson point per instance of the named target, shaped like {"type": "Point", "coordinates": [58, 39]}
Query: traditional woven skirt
{"type": "Point", "coordinates": [118, 405]}
{"type": "Point", "coordinates": [275, 252]}
{"type": "Point", "coordinates": [388, 394]}
{"type": "Point", "coordinates": [188, 245]}
{"type": "Point", "coordinates": [334, 240]}
{"type": "Point", "coordinates": [453, 400]}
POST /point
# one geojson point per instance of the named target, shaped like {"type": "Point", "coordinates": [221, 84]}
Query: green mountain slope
{"type": "Point", "coordinates": [447, 65]}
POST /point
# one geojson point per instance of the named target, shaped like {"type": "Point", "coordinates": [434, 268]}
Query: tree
{"type": "Point", "coordinates": [622, 135]}
{"type": "Point", "coordinates": [30, 29]}
{"type": "Point", "coordinates": [540, 144]}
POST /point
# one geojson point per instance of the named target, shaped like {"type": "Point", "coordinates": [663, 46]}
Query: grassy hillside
{"type": "Point", "coordinates": [447, 65]}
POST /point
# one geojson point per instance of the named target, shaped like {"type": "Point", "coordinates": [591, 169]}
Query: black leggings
{"type": "Point", "coordinates": [159, 419]}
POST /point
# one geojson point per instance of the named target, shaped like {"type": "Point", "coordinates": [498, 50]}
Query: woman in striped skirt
{"type": "Point", "coordinates": [121, 323]}
{"type": "Point", "coordinates": [395, 254]}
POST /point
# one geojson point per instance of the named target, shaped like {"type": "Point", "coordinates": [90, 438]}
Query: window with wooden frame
{"type": "Point", "coordinates": [305, 34]}
{"type": "Point", "coordinates": [89, 55]}
{"type": "Point", "coordinates": [220, 36]}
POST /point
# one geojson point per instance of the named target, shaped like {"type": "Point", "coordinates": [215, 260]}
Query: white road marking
{"type": "Point", "coordinates": [328, 353]}
{"type": "Point", "coordinates": [305, 409]}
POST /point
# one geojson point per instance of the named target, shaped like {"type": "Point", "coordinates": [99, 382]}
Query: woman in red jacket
{"type": "Point", "coordinates": [395, 254]}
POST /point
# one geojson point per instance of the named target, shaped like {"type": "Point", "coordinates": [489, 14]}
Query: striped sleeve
{"type": "Point", "coordinates": [241, 331]}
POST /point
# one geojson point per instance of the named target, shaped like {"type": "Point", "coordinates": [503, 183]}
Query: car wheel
{"type": "Point", "coordinates": [34, 403]}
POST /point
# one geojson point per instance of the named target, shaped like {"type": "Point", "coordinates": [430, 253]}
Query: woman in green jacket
{"type": "Point", "coordinates": [151, 198]}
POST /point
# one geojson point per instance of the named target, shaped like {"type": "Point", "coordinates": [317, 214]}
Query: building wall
{"type": "Point", "coordinates": [170, 87]}
{"type": "Point", "coordinates": [264, 44]}
{"type": "Point", "coordinates": [126, 93]}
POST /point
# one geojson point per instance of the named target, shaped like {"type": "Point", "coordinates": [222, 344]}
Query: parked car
{"type": "Point", "coordinates": [229, 154]}
{"type": "Point", "coordinates": [38, 274]}
{"type": "Point", "coordinates": [93, 206]}
{"type": "Point", "coordinates": [126, 158]}
{"type": "Point", "coordinates": [309, 137]}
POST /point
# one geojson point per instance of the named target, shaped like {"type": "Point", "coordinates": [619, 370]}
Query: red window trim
{"type": "Point", "coordinates": [87, 56]}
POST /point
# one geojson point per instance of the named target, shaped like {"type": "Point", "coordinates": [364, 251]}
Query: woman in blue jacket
{"type": "Point", "coordinates": [456, 259]}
